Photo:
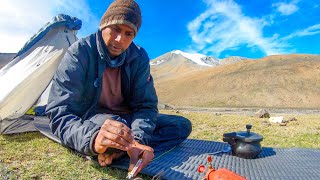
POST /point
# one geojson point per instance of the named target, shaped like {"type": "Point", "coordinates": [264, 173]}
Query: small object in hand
{"type": "Point", "coordinates": [134, 170]}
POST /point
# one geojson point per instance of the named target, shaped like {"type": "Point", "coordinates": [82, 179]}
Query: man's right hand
{"type": "Point", "coordinates": [113, 134]}
{"type": "Point", "coordinates": [140, 151]}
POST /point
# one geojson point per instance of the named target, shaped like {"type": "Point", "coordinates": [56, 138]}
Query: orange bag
{"type": "Point", "coordinates": [219, 174]}
{"type": "Point", "coordinates": [223, 174]}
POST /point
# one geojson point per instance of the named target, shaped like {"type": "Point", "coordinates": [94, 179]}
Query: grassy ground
{"type": "Point", "coordinates": [33, 156]}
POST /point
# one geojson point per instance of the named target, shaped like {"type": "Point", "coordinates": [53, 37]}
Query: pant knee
{"type": "Point", "coordinates": [182, 125]}
{"type": "Point", "coordinates": [186, 125]}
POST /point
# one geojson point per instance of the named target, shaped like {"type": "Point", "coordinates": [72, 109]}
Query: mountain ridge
{"type": "Point", "coordinates": [200, 59]}
{"type": "Point", "coordinates": [285, 81]}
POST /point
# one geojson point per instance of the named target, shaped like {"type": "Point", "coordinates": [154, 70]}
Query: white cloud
{"type": "Point", "coordinates": [20, 19]}
{"type": "Point", "coordinates": [286, 9]}
{"type": "Point", "coordinates": [312, 30]}
{"type": "Point", "coordinates": [223, 26]}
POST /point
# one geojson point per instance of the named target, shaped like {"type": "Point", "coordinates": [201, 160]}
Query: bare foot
{"type": "Point", "coordinates": [106, 159]}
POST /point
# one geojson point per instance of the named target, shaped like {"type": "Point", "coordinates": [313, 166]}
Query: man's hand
{"type": "Point", "coordinates": [113, 134]}
{"type": "Point", "coordinates": [139, 151]}
{"type": "Point", "coordinates": [106, 159]}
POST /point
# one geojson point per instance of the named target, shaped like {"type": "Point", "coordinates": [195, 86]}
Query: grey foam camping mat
{"type": "Point", "coordinates": [272, 163]}
{"type": "Point", "coordinates": [182, 162]}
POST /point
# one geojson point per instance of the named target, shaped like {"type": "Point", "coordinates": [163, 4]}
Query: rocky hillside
{"type": "Point", "coordinates": [232, 60]}
{"type": "Point", "coordinates": [284, 81]}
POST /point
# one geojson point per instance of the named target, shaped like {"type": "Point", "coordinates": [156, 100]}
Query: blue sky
{"type": "Point", "coordinates": [248, 28]}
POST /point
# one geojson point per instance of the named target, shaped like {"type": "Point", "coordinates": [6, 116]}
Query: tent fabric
{"type": "Point", "coordinates": [18, 125]}
{"type": "Point", "coordinates": [42, 125]}
{"type": "Point", "coordinates": [5, 58]}
{"type": "Point", "coordinates": [60, 20]}
{"type": "Point", "coordinates": [28, 75]}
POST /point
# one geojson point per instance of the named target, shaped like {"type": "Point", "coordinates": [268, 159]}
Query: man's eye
{"type": "Point", "coordinates": [129, 34]}
{"type": "Point", "coordinates": [116, 29]}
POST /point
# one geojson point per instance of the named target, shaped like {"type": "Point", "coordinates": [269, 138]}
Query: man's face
{"type": "Point", "coordinates": [117, 38]}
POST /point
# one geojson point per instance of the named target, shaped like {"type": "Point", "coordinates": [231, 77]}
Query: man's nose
{"type": "Point", "coordinates": [119, 37]}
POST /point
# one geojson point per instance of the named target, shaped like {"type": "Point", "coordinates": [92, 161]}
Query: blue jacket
{"type": "Point", "coordinates": [76, 89]}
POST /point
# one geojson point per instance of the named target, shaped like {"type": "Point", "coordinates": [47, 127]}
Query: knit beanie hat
{"type": "Point", "coordinates": [122, 12]}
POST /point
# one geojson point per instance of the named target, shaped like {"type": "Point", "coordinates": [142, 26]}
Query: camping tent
{"type": "Point", "coordinates": [25, 80]}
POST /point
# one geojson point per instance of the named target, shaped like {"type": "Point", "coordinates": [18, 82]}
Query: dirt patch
{"type": "Point", "coordinates": [248, 111]}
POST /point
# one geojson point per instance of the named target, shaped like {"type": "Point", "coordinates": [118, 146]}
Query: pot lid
{"type": "Point", "coordinates": [248, 136]}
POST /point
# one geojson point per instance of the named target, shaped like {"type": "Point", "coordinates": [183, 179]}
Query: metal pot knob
{"type": "Point", "coordinates": [248, 126]}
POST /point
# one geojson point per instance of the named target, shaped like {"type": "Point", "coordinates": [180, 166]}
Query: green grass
{"type": "Point", "coordinates": [305, 132]}
{"type": "Point", "coordinates": [33, 156]}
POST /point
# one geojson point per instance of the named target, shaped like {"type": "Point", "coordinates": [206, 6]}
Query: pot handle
{"type": "Point", "coordinates": [230, 138]}
{"type": "Point", "coordinates": [248, 126]}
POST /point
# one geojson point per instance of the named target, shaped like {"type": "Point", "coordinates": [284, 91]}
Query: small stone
{"type": "Point", "coordinates": [263, 113]}
{"type": "Point", "coordinates": [265, 123]}
{"type": "Point", "coordinates": [293, 119]}
{"type": "Point", "coordinates": [282, 124]}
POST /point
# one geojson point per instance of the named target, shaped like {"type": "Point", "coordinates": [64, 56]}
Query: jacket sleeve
{"type": "Point", "coordinates": [66, 105]}
{"type": "Point", "coordinates": [144, 101]}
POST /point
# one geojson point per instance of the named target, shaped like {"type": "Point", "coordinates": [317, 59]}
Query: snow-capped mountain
{"type": "Point", "coordinates": [176, 57]}
{"type": "Point", "coordinates": [211, 61]}
{"type": "Point", "coordinates": [196, 58]}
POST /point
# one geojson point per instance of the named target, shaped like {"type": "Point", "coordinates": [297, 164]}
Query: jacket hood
{"type": "Point", "coordinates": [103, 51]}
